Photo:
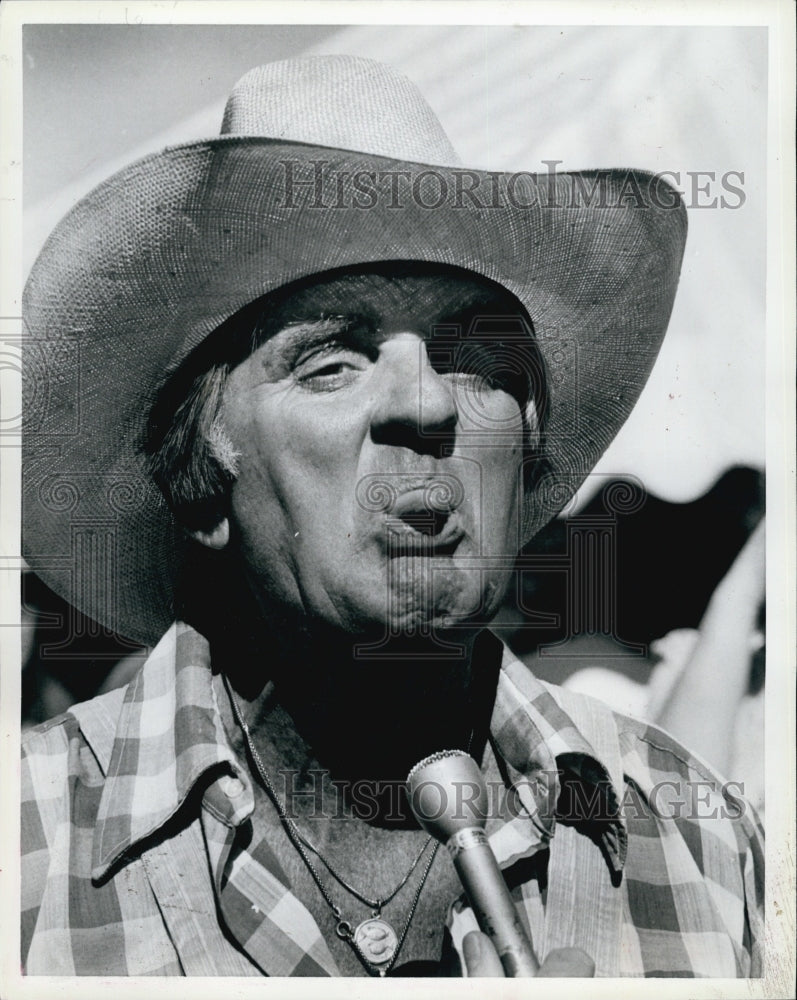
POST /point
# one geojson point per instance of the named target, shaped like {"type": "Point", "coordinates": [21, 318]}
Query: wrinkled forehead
{"type": "Point", "coordinates": [431, 299]}
{"type": "Point", "coordinates": [416, 295]}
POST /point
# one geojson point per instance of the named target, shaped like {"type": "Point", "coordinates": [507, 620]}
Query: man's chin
{"type": "Point", "coordinates": [420, 605]}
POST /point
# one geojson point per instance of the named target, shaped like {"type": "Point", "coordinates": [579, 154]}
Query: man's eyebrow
{"type": "Point", "coordinates": [294, 335]}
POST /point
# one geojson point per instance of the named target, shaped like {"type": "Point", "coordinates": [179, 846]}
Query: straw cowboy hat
{"type": "Point", "coordinates": [321, 163]}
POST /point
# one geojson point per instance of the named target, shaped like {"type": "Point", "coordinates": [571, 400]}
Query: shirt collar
{"type": "Point", "coordinates": [157, 756]}
{"type": "Point", "coordinates": [536, 736]}
{"type": "Point", "coordinates": [168, 735]}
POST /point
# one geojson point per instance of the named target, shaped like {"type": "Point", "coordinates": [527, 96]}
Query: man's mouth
{"type": "Point", "coordinates": [417, 527]}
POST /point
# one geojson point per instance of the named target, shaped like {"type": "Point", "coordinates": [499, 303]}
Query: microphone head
{"type": "Point", "coordinates": [447, 793]}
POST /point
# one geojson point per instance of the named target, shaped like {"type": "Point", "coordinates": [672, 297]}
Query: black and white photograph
{"type": "Point", "coordinates": [398, 497]}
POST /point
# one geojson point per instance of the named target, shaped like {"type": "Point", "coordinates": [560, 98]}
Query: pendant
{"type": "Point", "coordinates": [376, 940]}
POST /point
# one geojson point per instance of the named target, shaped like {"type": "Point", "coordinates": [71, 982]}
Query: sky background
{"type": "Point", "coordinates": [680, 99]}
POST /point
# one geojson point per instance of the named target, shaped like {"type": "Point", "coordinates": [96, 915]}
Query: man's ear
{"type": "Point", "coordinates": [216, 537]}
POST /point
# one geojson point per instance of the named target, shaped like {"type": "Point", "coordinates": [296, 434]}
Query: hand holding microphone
{"type": "Point", "coordinates": [436, 788]}
{"type": "Point", "coordinates": [482, 961]}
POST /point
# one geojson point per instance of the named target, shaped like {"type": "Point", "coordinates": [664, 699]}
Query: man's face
{"type": "Point", "coordinates": [379, 454]}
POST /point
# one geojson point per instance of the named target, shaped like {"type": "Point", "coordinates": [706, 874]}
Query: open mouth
{"type": "Point", "coordinates": [414, 527]}
{"type": "Point", "coordinates": [430, 522]}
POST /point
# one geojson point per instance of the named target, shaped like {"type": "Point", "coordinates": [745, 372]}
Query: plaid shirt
{"type": "Point", "coordinates": [139, 859]}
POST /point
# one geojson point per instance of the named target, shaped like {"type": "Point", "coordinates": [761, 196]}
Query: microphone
{"type": "Point", "coordinates": [449, 799]}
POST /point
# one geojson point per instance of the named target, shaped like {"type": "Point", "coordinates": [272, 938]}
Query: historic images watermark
{"type": "Point", "coordinates": [313, 795]}
{"type": "Point", "coordinates": [320, 184]}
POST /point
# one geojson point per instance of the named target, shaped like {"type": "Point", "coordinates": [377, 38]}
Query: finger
{"type": "Point", "coordinates": [481, 958]}
{"type": "Point", "coordinates": [564, 962]}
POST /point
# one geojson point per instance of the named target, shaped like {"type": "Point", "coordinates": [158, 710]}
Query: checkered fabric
{"type": "Point", "coordinates": [140, 857]}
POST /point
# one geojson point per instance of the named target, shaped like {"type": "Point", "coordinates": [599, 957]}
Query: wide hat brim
{"type": "Point", "coordinates": [159, 255]}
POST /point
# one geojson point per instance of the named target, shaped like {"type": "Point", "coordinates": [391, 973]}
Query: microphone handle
{"type": "Point", "coordinates": [491, 902]}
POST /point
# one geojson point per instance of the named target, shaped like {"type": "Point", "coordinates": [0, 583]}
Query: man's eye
{"type": "Point", "coordinates": [329, 368]}
{"type": "Point", "coordinates": [468, 363]}
{"type": "Point", "coordinates": [334, 368]}
{"type": "Point", "coordinates": [469, 378]}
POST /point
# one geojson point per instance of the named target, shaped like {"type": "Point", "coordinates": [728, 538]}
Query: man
{"type": "Point", "coordinates": [360, 383]}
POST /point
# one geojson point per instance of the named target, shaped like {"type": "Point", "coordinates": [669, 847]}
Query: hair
{"type": "Point", "coordinates": [188, 460]}
{"type": "Point", "coordinates": [190, 456]}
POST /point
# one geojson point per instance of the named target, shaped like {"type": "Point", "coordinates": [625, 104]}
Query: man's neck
{"type": "Point", "coordinates": [358, 721]}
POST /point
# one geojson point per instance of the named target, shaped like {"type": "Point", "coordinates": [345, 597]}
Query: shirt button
{"type": "Point", "coordinates": [232, 787]}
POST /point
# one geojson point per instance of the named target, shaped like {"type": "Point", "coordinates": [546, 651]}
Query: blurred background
{"type": "Point", "coordinates": [614, 596]}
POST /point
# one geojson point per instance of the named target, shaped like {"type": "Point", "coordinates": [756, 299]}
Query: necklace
{"type": "Point", "coordinates": [374, 904]}
{"type": "Point", "coordinates": [373, 940]}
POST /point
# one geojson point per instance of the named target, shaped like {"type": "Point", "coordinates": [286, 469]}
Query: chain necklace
{"type": "Point", "coordinates": [374, 904]}
{"type": "Point", "coordinates": [373, 940]}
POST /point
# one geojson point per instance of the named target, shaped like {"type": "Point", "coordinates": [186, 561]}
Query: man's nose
{"type": "Point", "coordinates": [415, 406]}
